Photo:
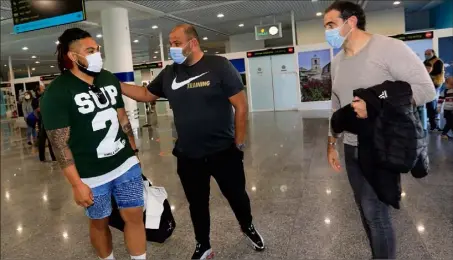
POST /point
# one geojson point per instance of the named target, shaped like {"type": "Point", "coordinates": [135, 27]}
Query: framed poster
{"type": "Point", "coordinates": [446, 54]}
{"type": "Point", "coordinates": [336, 51]}
{"type": "Point", "coordinates": [314, 70]}
{"type": "Point", "coordinates": [420, 46]}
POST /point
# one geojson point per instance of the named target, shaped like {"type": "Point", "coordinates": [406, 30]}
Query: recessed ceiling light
{"type": "Point", "coordinates": [33, 57]}
{"type": "Point", "coordinates": [220, 15]}
{"type": "Point", "coordinates": [318, 14]}
{"type": "Point", "coordinates": [155, 57]}
{"type": "Point", "coordinates": [25, 48]}
{"type": "Point", "coordinates": [33, 68]}
{"type": "Point", "coordinates": [5, 65]}
{"type": "Point", "coordinates": [204, 51]}
{"type": "Point", "coordinates": [241, 25]}
{"type": "Point", "coordinates": [57, 42]}
{"type": "Point", "coordinates": [135, 41]}
{"type": "Point", "coordinates": [99, 36]}
{"type": "Point", "coordinates": [396, 2]}
{"type": "Point", "coordinates": [154, 27]}
{"type": "Point", "coordinates": [37, 62]}
{"type": "Point", "coordinates": [205, 38]}
{"type": "Point", "coordinates": [52, 66]}
{"type": "Point", "coordinates": [217, 52]}
{"type": "Point", "coordinates": [156, 52]}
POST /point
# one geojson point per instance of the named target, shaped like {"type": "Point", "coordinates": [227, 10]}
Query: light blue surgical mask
{"type": "Point", "coordinates": [334, 38]}
{"type": "Point", "coordinates": [177, 54]}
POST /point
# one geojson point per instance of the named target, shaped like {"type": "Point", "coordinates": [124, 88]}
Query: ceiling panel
{"type": "Point", "coordinates": [203, 13]}
{"type": "Point", "coordinates": [175, 5]}
{"type": "Point", "coordinates": [410, 6]}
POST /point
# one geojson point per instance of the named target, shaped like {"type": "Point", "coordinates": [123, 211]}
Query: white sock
{"type": "Point", "coordinates": [139, 257]}
{"type": "Point", "coordinates": [110, 257]}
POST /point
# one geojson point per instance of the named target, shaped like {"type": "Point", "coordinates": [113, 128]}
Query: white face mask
{"type": "Point", "coordinates": [95, 62]}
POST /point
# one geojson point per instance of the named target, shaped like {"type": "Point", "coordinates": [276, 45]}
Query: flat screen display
{"type": "Point", "coordinates": [29, 15]}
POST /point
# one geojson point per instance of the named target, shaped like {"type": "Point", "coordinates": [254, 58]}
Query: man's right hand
{"type": "Point", "coordinates": [83, 195]}
{"type": "Point", "coordinates": [333, 158]}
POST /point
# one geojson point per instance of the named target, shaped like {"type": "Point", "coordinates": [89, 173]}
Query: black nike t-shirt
{"type": "Point", "coordinates": [199, 96]}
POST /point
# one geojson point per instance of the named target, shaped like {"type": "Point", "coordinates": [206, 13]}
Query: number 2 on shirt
{"type": "Point", "coordinates": [108, 146]}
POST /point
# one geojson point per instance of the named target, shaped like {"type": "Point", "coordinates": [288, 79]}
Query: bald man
{"type": "Point", "coordinates": [202, 91]}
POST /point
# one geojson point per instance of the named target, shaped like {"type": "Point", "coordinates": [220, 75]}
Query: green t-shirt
{"type": "Point", "coordinates": [100, 148]}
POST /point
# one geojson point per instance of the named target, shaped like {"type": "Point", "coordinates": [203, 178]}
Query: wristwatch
{"type": "Point", "coordinates": [240, 147]}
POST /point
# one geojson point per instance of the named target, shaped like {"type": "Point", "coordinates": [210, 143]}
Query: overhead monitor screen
{"type": "Point", "coordinates": [30, 15]}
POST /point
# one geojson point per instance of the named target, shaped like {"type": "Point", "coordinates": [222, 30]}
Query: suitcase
{"type": "Point", "coordinates": [166, 227]}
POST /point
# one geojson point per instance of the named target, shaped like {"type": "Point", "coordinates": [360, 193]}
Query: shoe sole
{"type": "Point", "coordinates": [207, 255]}
{"type": "Point", "coordinates": [255, 246]}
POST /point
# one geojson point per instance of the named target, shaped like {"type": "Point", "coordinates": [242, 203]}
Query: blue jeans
{"type": "Point", "coordinates": [126, 189]}
{"type": "Point", "coordinates": [374, 213]}
{"type": "Point", "coordinates": [31, 133]}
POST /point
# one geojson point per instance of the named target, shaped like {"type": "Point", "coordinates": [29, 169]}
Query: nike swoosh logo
{"type": "Point", "coordinates": [176, 85]}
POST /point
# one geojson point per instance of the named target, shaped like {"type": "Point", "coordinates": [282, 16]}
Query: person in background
{"type": "Point", "coordinates": [42, 135]}
{"type": "Point", "coordinates": [446, 99]}
{"type": "Point", "coordinates": [437, 74]}
{"type": "Point", "coordinates": [27, 110]}
{"type": "Point", "coordinates": [367, 60]}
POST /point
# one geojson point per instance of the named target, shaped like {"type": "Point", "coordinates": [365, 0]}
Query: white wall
{"type": "Point", "coordinates": [244, 42]}
{"type": "Point", "coordinates": [388, 22]}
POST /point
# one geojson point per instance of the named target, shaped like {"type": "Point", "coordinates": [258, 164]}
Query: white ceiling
{"type": "Point", "coordinates": [167, 14]}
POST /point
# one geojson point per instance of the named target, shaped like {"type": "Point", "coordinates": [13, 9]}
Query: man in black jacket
{"type": "Point", "coordinates": [42, 135]}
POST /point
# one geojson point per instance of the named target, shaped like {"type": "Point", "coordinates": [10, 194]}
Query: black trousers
{"type": "Point", "coordinates": [227, 169]}
{"type": "Point", "coordinates": [448, 114]}
{"type": "Point", "coordinates": [42, 138]}
{"type": "Point", "coordinates": [431, 109]}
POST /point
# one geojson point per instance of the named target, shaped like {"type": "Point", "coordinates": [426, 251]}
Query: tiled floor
{"type": "Point", "coordinates": [303, 209]}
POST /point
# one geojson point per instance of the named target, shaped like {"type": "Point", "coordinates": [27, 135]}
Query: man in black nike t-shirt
{"type": "Point", "coordinates": [202, 91]}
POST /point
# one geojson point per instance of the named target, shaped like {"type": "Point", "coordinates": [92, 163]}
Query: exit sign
{"type": "Point", "coordinates": [268, 31]}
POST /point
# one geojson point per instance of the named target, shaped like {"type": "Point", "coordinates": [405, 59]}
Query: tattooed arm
{"type": "Point", "coordinates": [59, 139]}
{"type": "Point", "coordinates": [126, 126]}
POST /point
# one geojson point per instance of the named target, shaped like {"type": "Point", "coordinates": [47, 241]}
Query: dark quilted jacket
{"type": "Point", "coordinates": [391, 139]}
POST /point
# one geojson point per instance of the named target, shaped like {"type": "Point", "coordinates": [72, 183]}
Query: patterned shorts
{"type": "Point", "coordinates": [126, 189]}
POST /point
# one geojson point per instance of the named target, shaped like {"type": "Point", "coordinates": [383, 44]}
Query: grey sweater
{"type": "Point", "coordinates": [383, 58]}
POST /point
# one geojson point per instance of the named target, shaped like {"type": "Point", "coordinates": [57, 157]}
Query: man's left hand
{"type": "Point", "coordinates": [359, 107]}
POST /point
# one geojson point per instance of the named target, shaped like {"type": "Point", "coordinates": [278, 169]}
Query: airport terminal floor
{"type": "Point", "coordinates": [302, 208]}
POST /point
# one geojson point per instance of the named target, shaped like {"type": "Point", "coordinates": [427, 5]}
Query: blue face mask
{"type": "Point", "coordinates": [334, 38]}
{"type": "Point", "coordinates": [177, 54]}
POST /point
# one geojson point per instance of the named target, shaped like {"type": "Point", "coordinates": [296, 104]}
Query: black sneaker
{"type": "Point", "coordinates": [203, 252]}
{"type": "Point", "coordinates": [254, 237]}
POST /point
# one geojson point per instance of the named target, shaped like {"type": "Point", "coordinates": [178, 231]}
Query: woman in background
{"type": "Point", "coordinates": [27, 110]}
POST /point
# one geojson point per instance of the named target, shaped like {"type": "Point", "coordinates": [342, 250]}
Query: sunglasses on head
{"type": "Point", "coordinates": [96, 90]}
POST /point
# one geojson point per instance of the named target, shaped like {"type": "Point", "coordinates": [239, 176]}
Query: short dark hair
{"type": "Point", "coordinates": [347, 10]}
{"type": "Point", "coordinates": [427, 64]}
{"type": "Point", "coordinates": [64, 42]}
{"type": "Point", "coordinates": [189, 31]}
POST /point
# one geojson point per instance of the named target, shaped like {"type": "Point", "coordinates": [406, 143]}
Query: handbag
{"type": "Point", "coordinates": [167, 221]}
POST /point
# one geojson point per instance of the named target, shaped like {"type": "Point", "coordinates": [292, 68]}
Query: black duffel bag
{"type": "Point", "coordinates": [166, 227]}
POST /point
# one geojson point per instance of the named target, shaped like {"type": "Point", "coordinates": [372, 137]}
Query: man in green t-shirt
{"type": "Point", "coordinates": [83, 110]}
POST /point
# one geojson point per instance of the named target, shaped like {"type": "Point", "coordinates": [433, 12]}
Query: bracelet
{"type": "Point", "coordinates": [332, 144]}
